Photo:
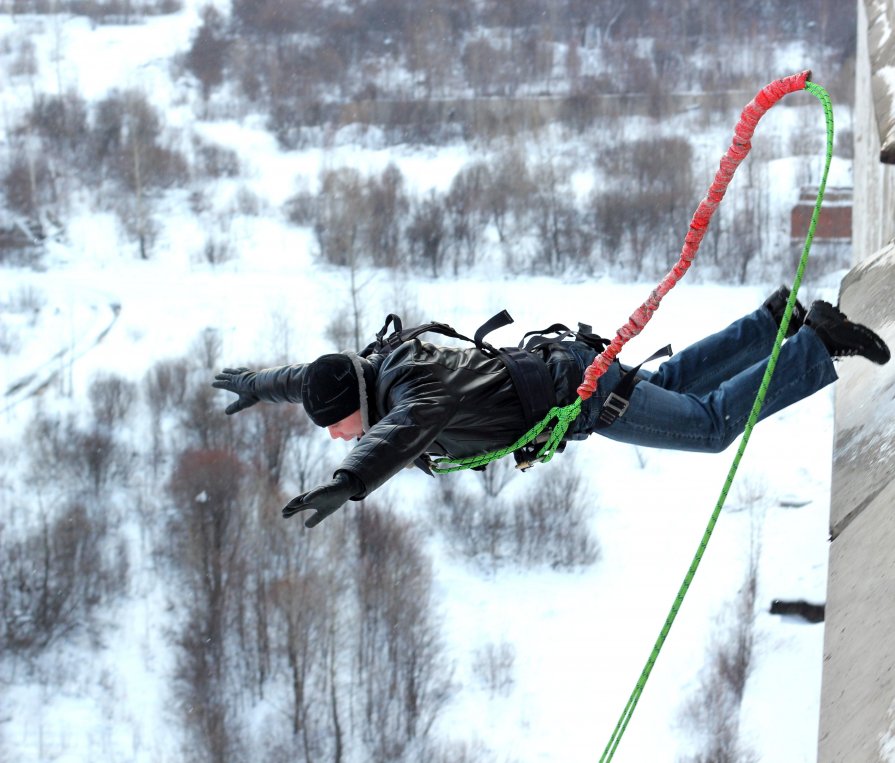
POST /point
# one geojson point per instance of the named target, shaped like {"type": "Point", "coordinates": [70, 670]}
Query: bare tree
{"type": "Point", "coordinates": [85, 460]}
{"type": "Point", "coordinates": [55, 577]}
{"type": "Point", "coordinates": [273, 431]}
{"type": "Point", "coordinates": [563, 238]}
{"type": "Point", "coordinates": [206, 542]}
{"type": "Point", "coordinates": [547, 523]}
{"type": "Point", "coordinates": [465, 207]}
{"type": "Point", "coordinates": [426, 234]}
{"type": "Point", "coordinates": [400, 663]}
{"type": "Point", "coordinates": [713, 712]}
{"type": "Point", "coordinates": [112, 397]}
{"type": "Point", "coordinates": [387, 205]}
{"type": "Point", "coordinates": [340, 219]}
{"type": "Point", "coordinates": [127, 145]}
{"type": "Point", "coordinates": [493, 664]}
{"type": "Point", "coordinates": [164, 388]}
{"type": "Point", "coordinates": [207, 55]}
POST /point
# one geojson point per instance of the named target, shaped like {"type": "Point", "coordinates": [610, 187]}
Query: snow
{"type": "Point", "coordinates": [887, 740]}
{"type": "Point", "coordinates": [581, 638]}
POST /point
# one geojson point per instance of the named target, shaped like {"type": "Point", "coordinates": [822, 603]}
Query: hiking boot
{"type": "Point", "coordinates": [841, 337]}
{"type": "Point", "coordinates": [776, 305]}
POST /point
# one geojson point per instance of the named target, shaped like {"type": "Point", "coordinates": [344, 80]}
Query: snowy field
{"type": "Point", "coordinates": [581, 638]}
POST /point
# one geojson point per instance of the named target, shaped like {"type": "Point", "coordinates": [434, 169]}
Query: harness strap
{"type": "Point", "coordinates": [401, 335]}
{"type": "Point", "coordinates": [529, 374]}
{"type": "Point", "coordinates": [584, 334]}
{"type": "Point", "coordinates": [617, 402]}
{"type": "Point", "coordinates": [495, 322]}
{"type": "Point", "coordinates": [532, 380]}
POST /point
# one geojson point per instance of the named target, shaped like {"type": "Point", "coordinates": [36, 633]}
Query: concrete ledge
{"type": "Point", "coordinates": [881, 47]}
{"type": "Point", "coordinates": [859, 648]}
{"type": "Point", "coordinates": [857, 711]}
{"type": "Point", "coordinates": [865, 396]}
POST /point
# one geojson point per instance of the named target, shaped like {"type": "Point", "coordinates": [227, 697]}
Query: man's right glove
{"type": "Point", "coordinates": [325, 499]}
{"type": "Point", "coordinates": [240, 381]}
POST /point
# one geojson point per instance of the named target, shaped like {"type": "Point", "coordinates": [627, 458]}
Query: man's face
{"type": "Point", "coordinates": [349, 428]}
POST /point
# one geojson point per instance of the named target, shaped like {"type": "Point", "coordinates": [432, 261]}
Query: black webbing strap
{"type": "Point", "coordinates": [617, 402]}
{"type": "Point", "coordinates": [529, 373]}
{"type": "Point", "coordinates": [503, 318]}
{"type": "Point", "coordinates": [532, 380]}
{"type": "Point", "coordinates": [385, 344]}
{"type": "Point", "coordinates": [536, 339]}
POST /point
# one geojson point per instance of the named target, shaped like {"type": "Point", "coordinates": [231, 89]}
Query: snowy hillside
{"type": "Point", "coordinates": [538, 660]}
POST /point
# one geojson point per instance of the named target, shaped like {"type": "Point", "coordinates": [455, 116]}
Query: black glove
{"type": "Point", "coordinates": [238, 380]}
{"type": "Point", "coordinates": [325, 499]}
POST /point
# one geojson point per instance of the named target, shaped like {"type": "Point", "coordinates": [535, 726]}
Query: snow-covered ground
{"type": "Point", "coordinates": [581, 638]}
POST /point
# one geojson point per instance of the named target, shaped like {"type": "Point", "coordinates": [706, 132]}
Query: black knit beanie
{"type": "Point", "coordinates": [330, 389]}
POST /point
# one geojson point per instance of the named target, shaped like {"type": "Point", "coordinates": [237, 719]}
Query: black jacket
{"type": "Point", "coordinates": [430, 399]}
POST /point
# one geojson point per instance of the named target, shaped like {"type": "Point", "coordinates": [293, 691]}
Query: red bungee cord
{"type": "Point", "coordinates": [739, 148]}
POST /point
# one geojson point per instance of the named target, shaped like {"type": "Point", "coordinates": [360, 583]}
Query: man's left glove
{"type": "Point", "coordinates": [238, 380]}
{"type": "Point", "coordinates": [325, 499]}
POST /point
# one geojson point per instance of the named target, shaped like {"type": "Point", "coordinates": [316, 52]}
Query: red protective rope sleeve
{"type": "Point", "coordinates": [739, 148]}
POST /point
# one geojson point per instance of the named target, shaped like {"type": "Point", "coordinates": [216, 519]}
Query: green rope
{"type": "Point", "coordinates": [564, 417]}
{"type": "Point", "coordinates": [608, 753]}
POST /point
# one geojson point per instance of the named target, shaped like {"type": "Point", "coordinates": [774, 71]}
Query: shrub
{"type": "Point", "coordinates": [85, 460]}
{"type": "Point", "coordinates": [547, 523]}
{"type": "Point", "coordinates": [713, 711]}
{"type": "Point", "coordinates": [54, 579]}
{"type": "Point", "coordinates": [111, 398]}
{"type": "Point", "coordinates": [400, 656]}
{"type": "Point", "coordinates": [207, 55]}
{"type": "Point", "coordinates": [493, 664]}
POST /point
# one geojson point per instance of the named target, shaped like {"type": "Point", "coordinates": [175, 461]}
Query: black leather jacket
{"type": "Point", "coordinates": [430, 399]}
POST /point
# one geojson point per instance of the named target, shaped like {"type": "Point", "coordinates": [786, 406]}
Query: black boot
{"type": "Point", "coordinates": [842, 338]}
{"type": "Point", "coordinates": [776, 304]}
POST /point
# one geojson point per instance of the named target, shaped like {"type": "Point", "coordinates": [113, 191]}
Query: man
{"type": "Point", "coordinates": [422, 399]}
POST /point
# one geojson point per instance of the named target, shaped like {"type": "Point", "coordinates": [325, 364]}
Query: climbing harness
{"type": "Point", "coordinates": [531, 380]}
{"type": "Point", "coordinates": [528, 372]}
{"type": "Point", "coordinates": [740, 146]}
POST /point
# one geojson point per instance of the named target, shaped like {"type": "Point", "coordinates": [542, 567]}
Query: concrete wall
{"type": "Point", "coordinates": [874, 181]}
{"type": "Point", "coordinates": [857, 715]}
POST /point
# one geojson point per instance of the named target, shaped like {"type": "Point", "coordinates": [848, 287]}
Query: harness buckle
{"type": "Point", "coordinates": [614, 406]}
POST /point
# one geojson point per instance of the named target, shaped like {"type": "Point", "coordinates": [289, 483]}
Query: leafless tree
{"type": "Point", "coordinates": [205, 540]}
{"type": "Point", "coordinates": [493, 664]}
{"type": "Point", "coordinates": [85, 459]}
{"type": "Point", "coordinates": [712, 713]}
{"type": "Point", "coordinates": [426, 234]}
{"type": "Point", "coordinates": [56, 576]}
{"type": "Point", "coordinates": [111, 397]}
{"type": "Point", "coordinates": [465, 209]}
{"type": "Point", "coordinates": [400, 662]}
{"type": "Point", "coordinates": [207, 55]}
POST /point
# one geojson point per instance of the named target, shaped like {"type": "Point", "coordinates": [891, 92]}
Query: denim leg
{"type": "Point", "coordinates": [705, 364]}
{"type": "Point", "coordinates": [711, 420]}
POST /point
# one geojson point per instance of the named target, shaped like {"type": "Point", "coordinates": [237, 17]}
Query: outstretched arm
{"type": "Point", "coordinates": [325, 499]}
{"type": "Point", "coordinates": [420, 409]}
{"type": "Point", "coordinates": [281, 384]}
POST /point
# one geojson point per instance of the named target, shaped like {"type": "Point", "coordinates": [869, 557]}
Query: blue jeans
{"type": "Point", "coordinates": [700, 399]}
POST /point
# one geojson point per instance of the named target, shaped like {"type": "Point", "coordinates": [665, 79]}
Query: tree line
{"type": "Point", "coordinates": [515, 210]}
{"type": "Point", "coordinates": [299, 59]}
{"type": "Point", "coordinates": [120, 156]}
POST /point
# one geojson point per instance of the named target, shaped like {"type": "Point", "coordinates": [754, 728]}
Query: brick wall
{"type": "Point", "coordinates": [835, 221]}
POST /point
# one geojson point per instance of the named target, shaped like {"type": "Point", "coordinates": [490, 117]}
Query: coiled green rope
{"type": "Point", "coordinates": [564, 416]}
